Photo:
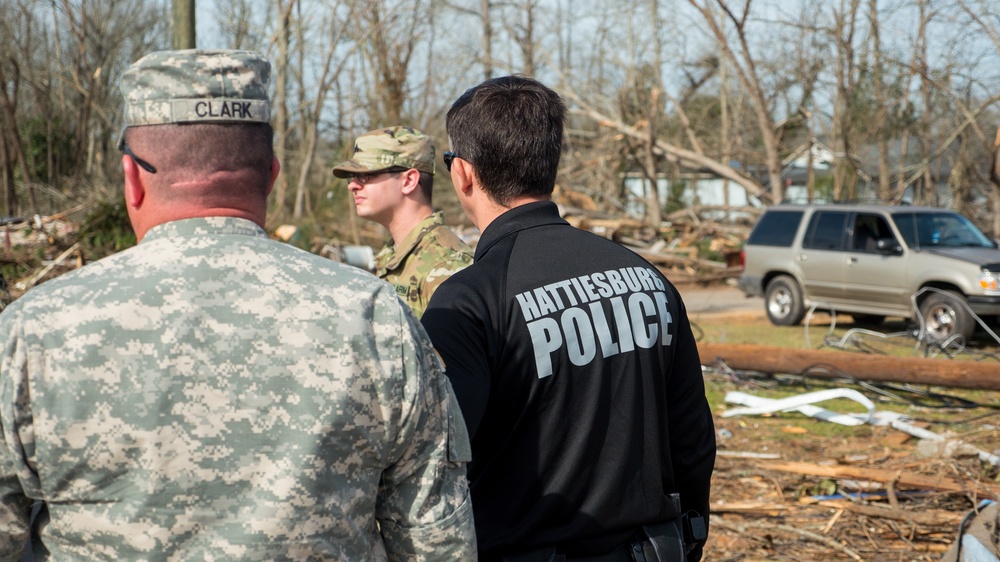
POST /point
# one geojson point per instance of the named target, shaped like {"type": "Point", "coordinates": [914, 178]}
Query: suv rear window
{"type": "Point", "coordinates": [776, 228]}
{"type": "Point", "coordinates": [826, 231]}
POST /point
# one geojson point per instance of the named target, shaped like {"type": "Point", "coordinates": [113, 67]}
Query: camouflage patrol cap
{"type": "Point", "coordinates": [196, 86]}
{"type": "Point", "coordinates": [390, 147]}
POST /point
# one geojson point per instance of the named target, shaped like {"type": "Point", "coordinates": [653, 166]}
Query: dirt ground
{"type": "Point", "coordinates": [791, 487]}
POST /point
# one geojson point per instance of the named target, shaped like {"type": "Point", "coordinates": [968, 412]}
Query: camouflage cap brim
{"type": "Point", "coordinates": [351, 168]}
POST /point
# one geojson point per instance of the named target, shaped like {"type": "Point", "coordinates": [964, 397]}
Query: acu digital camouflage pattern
{"type": "Point", "coordinates": [196, 86]}
{"type": "Point", "coordinates": [391, 147]}
{"type": "Point", "coordinates": [214, 395]}
{"type": "Point", "coordinates": [430, 254]}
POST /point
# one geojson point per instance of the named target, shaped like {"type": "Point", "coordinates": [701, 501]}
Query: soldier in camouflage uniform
{"type": "Point", "coordinates": [211, 394]}
{"type": "Point", "coordinates": [392, 176]}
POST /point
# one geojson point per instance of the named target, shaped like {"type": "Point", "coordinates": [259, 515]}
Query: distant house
{"type": "Point", "coordinates": [703, 188]}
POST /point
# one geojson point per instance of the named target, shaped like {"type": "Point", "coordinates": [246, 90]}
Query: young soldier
{"type": "Point", "coordinates": [211, 393]}
{"type": "Point", "coordinates": [572, 358]}
{"type": "Point", "coordinates": [392, 176]}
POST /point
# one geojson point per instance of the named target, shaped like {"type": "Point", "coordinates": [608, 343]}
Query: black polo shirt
{"type": "Point", "coordinates": [579, 379]}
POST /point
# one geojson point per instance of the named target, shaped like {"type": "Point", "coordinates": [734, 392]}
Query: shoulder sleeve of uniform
{"type": "Point", "coordinates": [16, 433]}
{"type": "Point", "coordinates": [441, 271]}
{"type": "Point", "coordinates": [456, 321]}
{"type": "Point", "coordinates": [423, 506]}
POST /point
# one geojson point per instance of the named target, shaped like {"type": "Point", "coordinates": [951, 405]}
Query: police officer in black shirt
{"type": "Point", "coordinates": [572, 358]}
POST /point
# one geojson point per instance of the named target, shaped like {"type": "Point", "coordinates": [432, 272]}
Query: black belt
{"type": "Point", "coordinates": [621, 553]}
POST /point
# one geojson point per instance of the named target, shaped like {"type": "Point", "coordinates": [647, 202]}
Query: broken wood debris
{"type": "Point", "coordinates": [688, 247]}
{"type": "Point", "coordinates": [900, 479]}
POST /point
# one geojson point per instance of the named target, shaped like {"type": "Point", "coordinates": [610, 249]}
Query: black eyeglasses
{"type": "Point", "coordinates": [448, 157]}
{"type": "Point", "coordinates": [139, 161]}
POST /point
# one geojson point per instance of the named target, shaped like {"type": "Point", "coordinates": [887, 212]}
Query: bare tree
{"type": "Point", "coordinates": [521, 20]}
{"type": "Point", "coordinates": [235, 19]}
{"type": "Point", "coordinates": [744, 66]}
{"type": "Point", "coordinates": [387, 38]}
{"type": "Point", "coordinates": [881, 103]}
{"type": "Point", "coordinates": [326, 75]}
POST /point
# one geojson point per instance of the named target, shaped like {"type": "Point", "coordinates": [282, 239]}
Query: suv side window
{"type": "Point", "coordinates": [826, 231]}
{"type": "Point", "coordinates": [868, 228]}
{"type": "Point", "coordinates": [776, 228]}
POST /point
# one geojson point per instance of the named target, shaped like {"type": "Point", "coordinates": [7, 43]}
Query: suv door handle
{"type": "Point", "coordinates": [851, 260]}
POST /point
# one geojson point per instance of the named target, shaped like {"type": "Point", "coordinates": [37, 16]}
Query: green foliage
{"type": "Point", "coordinates": [675, 194]}
{"type": "Point", "coordinates": [36, 140]}
{"type": "Point", "coordinates": [825, 487]}
{"type": "Point", "coordinates": [107, 230]}
{"type": "Point", "coordinates": [19, 266]}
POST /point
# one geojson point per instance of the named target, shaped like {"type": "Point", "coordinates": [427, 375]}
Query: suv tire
{"type": "Point", "coordinates": [783, 301]}
{"type": "Point", "coordinates": [945, 316]}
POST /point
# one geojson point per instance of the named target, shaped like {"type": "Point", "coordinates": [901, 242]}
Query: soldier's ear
{"type": "Point", "coordinates": [135, 191]}
{"type": "Point", "coordinates": [411, 180]}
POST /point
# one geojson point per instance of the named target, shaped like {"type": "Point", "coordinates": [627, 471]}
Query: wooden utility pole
{"type": "Point", "coordinates": [183, 25]}
{"type": "Point", "coordinates": [984, 375]}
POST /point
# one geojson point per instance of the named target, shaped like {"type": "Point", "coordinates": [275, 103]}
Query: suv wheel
{"type": "Point", "coordinates": [944, 316]}
{"type": "Point", "coordinates": [783, 301]}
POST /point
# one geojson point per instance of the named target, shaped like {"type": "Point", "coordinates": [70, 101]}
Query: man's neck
{"type": "Point", "coordinates": [404, 221]}
{"type": "Point", "coordinates": [490, 210]}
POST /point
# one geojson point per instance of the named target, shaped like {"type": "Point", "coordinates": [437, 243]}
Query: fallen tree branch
{"type": "Point", "coordinates": [925, 517]}
{"type": "Point", "coordinates": [908, 480]}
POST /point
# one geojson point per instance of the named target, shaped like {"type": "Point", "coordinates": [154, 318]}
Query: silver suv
{"type": "Point", "coordinates": [873, 261]}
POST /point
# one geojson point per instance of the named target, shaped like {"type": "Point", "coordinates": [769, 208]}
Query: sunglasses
{"type": "Point", "coordinates": [448, 157]}
{"type": "Point", "coordinates": [365, 179]}
{"type": "Point", "coordinates": [139, 161]}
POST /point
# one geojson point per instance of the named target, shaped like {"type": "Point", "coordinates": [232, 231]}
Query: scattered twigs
{"type": "Point", "coordinates": [45, 271]}
{"type": "Point", "coordinates": [743, 527]}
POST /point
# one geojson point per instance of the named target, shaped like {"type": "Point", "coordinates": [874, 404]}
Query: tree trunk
{"type": "Point", "coordinates": [7, 179]}
{"type": "Point", "coordinates": [487, 39]}
{"type": "Point", "coordinates": [281, 103]}
{"type": "Point", "coordinates": [882, 104]}
{"type": "Point", "coordinates": [183, 36]}
{"type": "Point", "coordinates": [13, 132]}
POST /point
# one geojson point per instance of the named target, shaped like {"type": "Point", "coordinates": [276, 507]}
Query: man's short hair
{"type": "Point", "coordinates": [427, 187]}
{"type": "Point", "coordinates": [189, 151]}
{"type": "Point", "coordinates": [510, 129]}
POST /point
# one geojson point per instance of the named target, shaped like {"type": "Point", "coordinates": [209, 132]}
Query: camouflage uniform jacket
{"type": "Point", "coordinates": [211, 394]}
{"type": "Point", "coordinates": [428, 255]}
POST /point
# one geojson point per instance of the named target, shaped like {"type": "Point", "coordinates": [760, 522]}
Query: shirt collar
{"type": "Point", "coordinates": [413, 238]}
{"type": "Point", "coordinates": [204, 226]}
{"type": "Point", "coordinates": [538, 213]}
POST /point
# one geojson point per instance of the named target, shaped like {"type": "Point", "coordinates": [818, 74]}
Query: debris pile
{"type": "Point", "coordinates": [787, 488]}
{"type": "Point", "coordinates": [696, 245]}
